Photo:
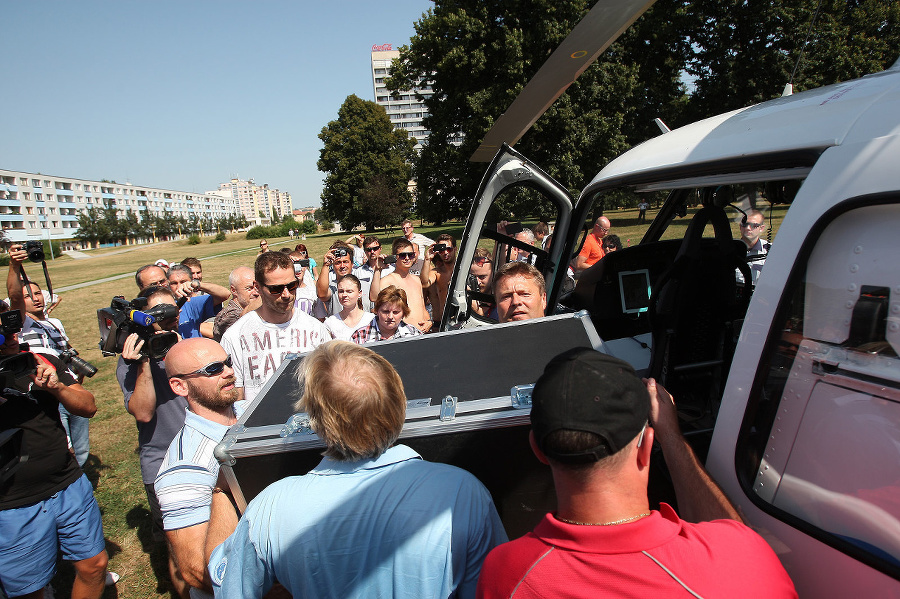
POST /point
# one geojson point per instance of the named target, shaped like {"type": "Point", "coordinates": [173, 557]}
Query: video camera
{"type": "Point", "coordinates": [123, 318]}
{"type": "Point", "coordinates": [10, 324]}
{"type": "Point", "coordinates": [17, 365]}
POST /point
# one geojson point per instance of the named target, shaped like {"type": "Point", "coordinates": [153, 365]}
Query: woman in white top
{"type": "Point", "coordinates": [351, 317]}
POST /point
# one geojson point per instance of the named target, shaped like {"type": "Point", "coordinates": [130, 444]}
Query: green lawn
{"type": "Point", "coordinates": [113, 466]}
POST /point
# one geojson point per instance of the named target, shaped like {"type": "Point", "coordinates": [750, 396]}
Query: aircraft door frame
{"type": "Point", "coordinates": [508, 169]}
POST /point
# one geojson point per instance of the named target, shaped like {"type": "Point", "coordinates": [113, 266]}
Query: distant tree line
{"type": "Point", "coordinates": [105, 225]}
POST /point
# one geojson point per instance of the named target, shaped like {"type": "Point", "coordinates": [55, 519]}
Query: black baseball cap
{"type": "Point", "coordinates": [585, 390]}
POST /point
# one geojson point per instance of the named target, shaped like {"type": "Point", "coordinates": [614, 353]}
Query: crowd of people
{"type": "Point", "coordinates": [432, 526]}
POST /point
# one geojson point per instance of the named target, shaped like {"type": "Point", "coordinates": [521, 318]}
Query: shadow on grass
{"type": "Point", "coordinates": [65, 573]}
{"type": "Point", "coordinates": [138, 518]}
{"type": "Point", "coordinates": [92, 469]}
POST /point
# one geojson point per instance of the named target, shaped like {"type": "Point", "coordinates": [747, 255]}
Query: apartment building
{"type": "Point", "coordinates": [256, 202]}
{"type": "Point", "coordinates": [37, 206]}
{"type": "Point", "coordinates": [406, 111]}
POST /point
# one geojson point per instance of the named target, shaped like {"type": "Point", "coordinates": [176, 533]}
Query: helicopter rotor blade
{"type": "Point", "coordinates": [603, 24]}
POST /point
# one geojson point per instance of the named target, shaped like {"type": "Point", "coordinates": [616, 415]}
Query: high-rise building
{"type": "Point", "coordinates": [405, 110]}
{"type": "Point", "coordinates": [256, 202]}
{"type": "Point", "coordinates": [37, 206]}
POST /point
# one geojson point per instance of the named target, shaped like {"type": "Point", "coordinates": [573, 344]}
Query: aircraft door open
{"type": "Point", "coordinates": [513, 198]}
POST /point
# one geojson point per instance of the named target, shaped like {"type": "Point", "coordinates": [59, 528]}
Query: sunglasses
{"type": "Point", "coordinates": [279, 289]}
{"type": "Point", "coordinates": [373, 248]}
{"type": "Point", "coordinates": [752, 226]}
{"type": "Point", "coordinates": [302, 253]}
{"type": "Point", "coordinates": [481, 261]}
{"type": "Point", "coordinates": [406, 255]}
{"type": "Point", "coordinates": [211, 369]}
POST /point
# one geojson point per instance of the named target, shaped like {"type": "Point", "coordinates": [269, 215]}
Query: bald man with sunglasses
{"type": "Point", "coordinates": [200, 371]}
{"type": "Point", "coordinates": [259, 340]}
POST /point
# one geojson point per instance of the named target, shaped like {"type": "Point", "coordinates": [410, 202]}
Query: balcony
{"type": "Point", "coordinates": [65, 192]}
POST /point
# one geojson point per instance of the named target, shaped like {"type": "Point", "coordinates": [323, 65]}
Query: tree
{"type": "Point", "coordinates": [359, 145]}
{"type": "Point", "coordinates": [745, 52]}
{"type": "Point", "coordinates": [308, 226]}
{"type": "Point", "coordinates": [380, 202]}
{"type": "Point", "coordinates": [480, 56]}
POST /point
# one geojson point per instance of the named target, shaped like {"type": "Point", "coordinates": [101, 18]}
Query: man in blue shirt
{"type": "Point", "coordinates": [373, 519]}
{"type": "Point", "coordinates": [198, 370]}
{"type": "Point", "coordinates": [204, 300]}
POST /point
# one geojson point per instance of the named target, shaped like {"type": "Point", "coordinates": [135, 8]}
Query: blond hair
{"type": "Point", "coordinates": [354, 399]}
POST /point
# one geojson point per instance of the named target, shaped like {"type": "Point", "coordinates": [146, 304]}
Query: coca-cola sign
{"type": "Point", "coordinates": [381, 48]}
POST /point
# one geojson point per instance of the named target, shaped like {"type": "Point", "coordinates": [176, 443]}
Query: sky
{"type": "Point", "coordinates": [186, 94]}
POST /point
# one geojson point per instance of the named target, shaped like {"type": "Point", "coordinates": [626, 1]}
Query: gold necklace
{"type": "Point", "coordinates": [613, 523]}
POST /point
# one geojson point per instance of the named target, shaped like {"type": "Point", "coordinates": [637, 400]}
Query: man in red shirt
{"type": "Point", "coordinates": [593, 422]}
{"type": "Point", "coordinates": [592, 249]}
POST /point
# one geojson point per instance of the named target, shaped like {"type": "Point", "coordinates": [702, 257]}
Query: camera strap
{"type": "Point", "coordinates": [47, 278]}
{"type": "Point", "coordinates": [28, 283]}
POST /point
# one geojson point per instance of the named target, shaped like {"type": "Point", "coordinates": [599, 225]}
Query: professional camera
{"type": "Point", "coordinates": [123, 318]}
{"type": "Point", "coordinates": [299, 265]}
{"type": "Point", "coordinates": [35, 250]}
{"type": "Point", "coordinates": [340, 252]}
{"type": "Point", "coordinates": [76, 364]}
{"type": "Point", "coordinates": [440, 247]}
{"type": "Point", "coordinates": [10, 324]}
{"type": "Point", "coordinates": [388, 260]}
{"type": "Point", "coordinates": [16, 366]}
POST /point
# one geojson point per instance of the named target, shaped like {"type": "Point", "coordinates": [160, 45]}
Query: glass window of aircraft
{"type": "Point", "coordinates": [820, 445]}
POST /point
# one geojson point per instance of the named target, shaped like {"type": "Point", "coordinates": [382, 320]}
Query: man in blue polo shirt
{"type": "Point", "coordinates": [373, 519]}
{"type": "Point", "coordinates": [204, 300]}
{"type": "Point", "coordinates": [200, 371]}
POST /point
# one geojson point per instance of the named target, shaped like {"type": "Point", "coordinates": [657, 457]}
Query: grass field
{"type": "Point", "coordinates": [113, 466]}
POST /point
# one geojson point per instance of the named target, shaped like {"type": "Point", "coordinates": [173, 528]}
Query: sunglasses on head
{"type": "Point", "coordinates": [481, 261]}
{"type": "Point", "coordinates": [406, 255]}
{"type": "Point", "coordinates": [279, 289]}
{"type": "Point", "coordinates": [211, 369]}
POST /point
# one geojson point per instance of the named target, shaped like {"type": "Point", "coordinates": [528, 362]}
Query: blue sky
{"type": "Point", "coordinates": [186, 94]}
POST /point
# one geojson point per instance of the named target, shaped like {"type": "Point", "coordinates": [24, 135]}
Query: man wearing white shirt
{"type": "Point", "coordinates": [258, 342]}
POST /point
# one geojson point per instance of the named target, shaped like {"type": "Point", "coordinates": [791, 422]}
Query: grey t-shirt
{"type": "Point", "coordinates": [155, 436]}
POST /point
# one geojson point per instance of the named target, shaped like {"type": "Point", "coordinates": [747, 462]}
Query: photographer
{"type": "Point", "coordinates": [338, 263]}
{"type": "Point", "coordinates": [440, 259]}
{"type": "Point", "coordinates": [158, 411]}
{"type": "Point", "coordinates": [49, 493]}
{"type": "Point", "coordinates": [47, 335]}
{"type": "Point", "coordinates": [202, 300]}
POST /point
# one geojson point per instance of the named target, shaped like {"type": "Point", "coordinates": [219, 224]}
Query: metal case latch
{"type": "Point", "coordinates": [298, 424]}
{"type": "Point", "coordinates": [521, 396]}
{"type": "Point", "coordinates": [448, 408]}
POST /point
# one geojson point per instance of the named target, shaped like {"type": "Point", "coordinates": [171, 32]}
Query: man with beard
{"type": "Point", "coordinates": [199, 370]}
{"type": "Point", "coordinates": [259, 341]}
{"type": "Point", "coordinates": [157, 410]}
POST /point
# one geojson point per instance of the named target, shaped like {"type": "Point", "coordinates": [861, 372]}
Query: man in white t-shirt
{"type": "Point", "coordinates": [258, 342]}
